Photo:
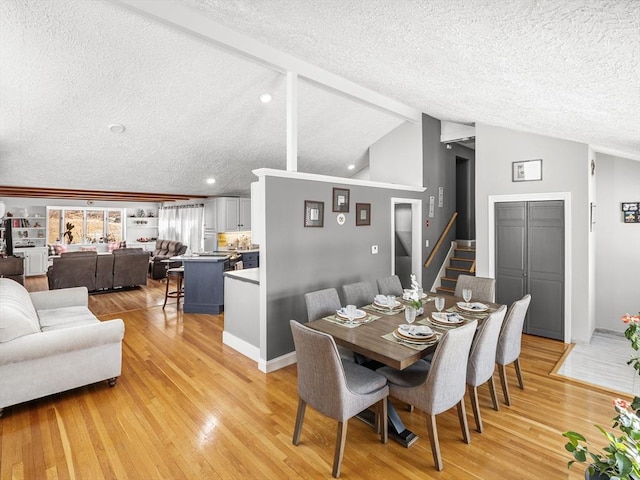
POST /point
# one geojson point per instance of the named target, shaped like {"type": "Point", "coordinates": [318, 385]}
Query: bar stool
{"type": "Point", "coordinates": [178, 275]}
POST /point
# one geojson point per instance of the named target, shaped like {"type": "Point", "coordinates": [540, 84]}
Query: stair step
{"type": "Point", "coordinates": [445, 290]}
{"type": "Point", "coordinates": [448, 282]}
{"type": "Point", "coordinates": [465, 253]}
{"type": "Point", "coordinates": [453, 272]}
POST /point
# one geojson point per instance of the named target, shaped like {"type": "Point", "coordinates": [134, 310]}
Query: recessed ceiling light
{"type": "Point", "coordinates": [211, 181]}
{"type": "Point", "coordinates": [116, 128]}
{"type": "Point", "coordinates": [265, 97]}
{"type": "Point", "coordinates": [351, 167]}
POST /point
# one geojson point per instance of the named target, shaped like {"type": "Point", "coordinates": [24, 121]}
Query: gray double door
{"type": "Point", "coordinates": [530, 259]}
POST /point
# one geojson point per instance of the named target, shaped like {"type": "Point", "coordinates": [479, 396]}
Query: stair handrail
{"type": "Point", "coordinates": [443, 235]}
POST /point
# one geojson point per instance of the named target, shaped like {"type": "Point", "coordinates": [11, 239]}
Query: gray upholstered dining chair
{"type": "Point", "coordinates": [482, 362]}
{"type": "Point", "coordinates": [358, 294]}
{"type": "Point", "coordinates": [390, 286]}
{"type": "Point", "coordinates": [509, 343]}
{"type": "Point", "coordinates": [483, 288]}
{"type": "Point", "coordinates": [438, 385]}
{"type": "Point", "coordinates": [322, 303]}
{"type": "Point", "coordinates": [337, 389]}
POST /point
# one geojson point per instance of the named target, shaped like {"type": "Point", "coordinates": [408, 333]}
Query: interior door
{"type": "Point", "coordinates": [530, 259]}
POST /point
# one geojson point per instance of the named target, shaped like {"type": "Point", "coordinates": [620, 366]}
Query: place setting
{"type": "Point", "coordinates": [351, 317]}
{"type": "Point", "coordinates": [386, 304]}
{"type": "Point", "coordinates": [474, 309]}
{"type": "Point", "coordinates": [413, 336]}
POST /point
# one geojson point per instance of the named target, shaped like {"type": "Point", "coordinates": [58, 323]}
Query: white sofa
{"type": "Point", "coordinates": [50, 342]}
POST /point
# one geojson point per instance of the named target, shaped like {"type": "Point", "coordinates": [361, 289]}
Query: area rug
{"type": "Point", "coordinates": [602, 363]}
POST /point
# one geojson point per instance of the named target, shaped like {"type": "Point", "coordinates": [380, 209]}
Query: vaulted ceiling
{"type": "Point", "coordinates": [190, 108]}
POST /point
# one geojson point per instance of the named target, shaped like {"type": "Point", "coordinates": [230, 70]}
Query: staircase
{"type": "Point", "coordinates": [463, 262]}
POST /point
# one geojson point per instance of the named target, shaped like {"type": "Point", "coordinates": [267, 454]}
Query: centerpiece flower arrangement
{"type": "Point", "coordinates": [620, 459]}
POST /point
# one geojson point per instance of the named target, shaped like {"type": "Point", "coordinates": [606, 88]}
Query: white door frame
{"type": "Point", "coordinates": [536, 197]}
{"type": "Point", "coordinates": [416, 234]}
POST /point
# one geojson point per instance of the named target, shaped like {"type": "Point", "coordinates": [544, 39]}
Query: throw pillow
{"type": "Point", "coordinates": [111, 246]}
{"type": "Point", "coordinates": [60, 249]}
{"type": "Point", "coordinates": [88, 249]}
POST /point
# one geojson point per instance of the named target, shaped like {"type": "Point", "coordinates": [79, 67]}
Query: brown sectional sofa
{"type": "Point", "coordinates": [125, 267]}
{"type": "Point", "coordinates": [165, 249]}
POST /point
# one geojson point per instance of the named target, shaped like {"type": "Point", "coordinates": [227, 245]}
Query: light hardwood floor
{"type": "Point", "coordinates": [189, 407]}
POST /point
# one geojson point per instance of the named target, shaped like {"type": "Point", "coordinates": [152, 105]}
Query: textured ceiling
{"type": "Point", "coordinates": [69, 68]}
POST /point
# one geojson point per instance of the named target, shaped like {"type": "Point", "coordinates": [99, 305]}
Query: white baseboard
{"type": "Point", "coordinates": [242, 346]}
{"type": "Point", "coordinates": [277, 363]}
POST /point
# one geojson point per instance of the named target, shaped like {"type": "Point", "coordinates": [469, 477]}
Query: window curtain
{"type": "Point", "coordinates": [183, 223]}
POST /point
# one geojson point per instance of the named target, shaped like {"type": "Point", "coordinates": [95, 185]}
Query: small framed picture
{"type": "Point", "coordinates": [526, 171]}
{"type": "Point", "coordinates": [363, 214]}
{"type": "Point", "coordinates": [313, 213]}
{"type": "Point", "coordinates": [340, 200]}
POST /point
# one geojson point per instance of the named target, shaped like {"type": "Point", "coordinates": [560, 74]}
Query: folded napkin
{"type": "Point", "coordinates": [381, 299]}
{"type": "Point", "coordinates": [476, 306]}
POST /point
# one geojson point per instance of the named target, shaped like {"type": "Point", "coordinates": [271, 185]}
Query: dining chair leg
{"type": "Point", "coordinates": [340, 441]}
{"type": "Point", "coordinates": [473, 395]}
{"type": "Point", "coordinates": [502, 369]}
{"type": "Point", "coordinates": [516, 363]}
{"type": "Point", "coordinates": [432, 428]}
{"type": "Point", "coordinates": [462, 416]}
{"type": "Point", "coordinates": [494, 394]}
{"type": "Point", "coordinates": [302, 405]}
{"type": "Point", "coordinates": [384, 420]}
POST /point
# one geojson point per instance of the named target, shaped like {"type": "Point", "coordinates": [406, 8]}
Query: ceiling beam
{"type": "Point", "coordinates": [38, 192]}
{"type": "Point", "coordinates": [194, 23]}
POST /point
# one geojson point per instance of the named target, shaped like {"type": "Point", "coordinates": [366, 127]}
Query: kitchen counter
{"type": "Point", "coordinates": [250, 275]}
{"type": "Point", "coordinates": [203, 283]}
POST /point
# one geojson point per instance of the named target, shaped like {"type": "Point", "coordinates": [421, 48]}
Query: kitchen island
{"type": "Point", "coordinates": [203, 282]}
{"type": "Point", "coordinates": [242, 311]}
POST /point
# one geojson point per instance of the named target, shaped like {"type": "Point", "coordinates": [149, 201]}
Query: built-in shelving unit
{"type": "Point", "coordinates": [141, 228]}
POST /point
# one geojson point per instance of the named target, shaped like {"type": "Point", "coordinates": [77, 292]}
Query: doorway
{"type": "Point", "coordinates": [465, 199]}
{"type": "Point", "coordinates": [529, 258]}
{"type": "Point", "coordinates": [406, 239]}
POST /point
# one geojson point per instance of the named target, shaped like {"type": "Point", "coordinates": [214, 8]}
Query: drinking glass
{"type": "Point", "coordinates": [439, 303]}
{"type": "Point", "coordinates": [466, 294]}
{"type": "Point", "coordinates": [350, 310]}
{"type": "Point", "coordinates": [391, 302]}
{"type": "Point", "coordinates": [410, 314]}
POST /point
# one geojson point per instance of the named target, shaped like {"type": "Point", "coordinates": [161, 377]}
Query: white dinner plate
{"type": "Point", "coordinates": [385, 306]}
{"type": "Point", "coordinates": [472, 307]}
{"type": "Point", "coordinates": [428, 341]}
{"type": "Point", "coordinates": [418, 332]}
{"type": "Point", "coordinates": [343, 314]}
{"type": "Point", "coordinates": [448, 318]}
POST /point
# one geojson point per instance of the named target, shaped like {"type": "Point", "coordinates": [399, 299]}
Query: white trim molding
{"type": "Point", "coordinates": [537, 197]}
{"type": "Point", "coordinates": [272, 172]}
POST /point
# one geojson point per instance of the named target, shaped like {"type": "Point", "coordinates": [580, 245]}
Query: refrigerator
{"type": "Point", "coordinates": [210, 243]}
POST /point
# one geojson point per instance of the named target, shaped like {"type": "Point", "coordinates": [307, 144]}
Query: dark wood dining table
{"type": "Point", "coordinates": [367, 340]}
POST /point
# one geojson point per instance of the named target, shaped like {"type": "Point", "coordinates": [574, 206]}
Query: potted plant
{"type": "Point", "coordinates": [620, 459]}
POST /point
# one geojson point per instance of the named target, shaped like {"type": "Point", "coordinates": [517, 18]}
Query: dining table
{"type": "Point", "coordinates": [374, 337]}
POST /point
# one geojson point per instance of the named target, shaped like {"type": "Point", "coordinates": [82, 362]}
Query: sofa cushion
{"type": "Point", "coordinates": [56, 318]}
{"type": "Point", "coordinates": [17, 315]}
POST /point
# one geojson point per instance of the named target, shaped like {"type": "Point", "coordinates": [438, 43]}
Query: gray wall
{"type": "Point", "coordinates": [565, 169]}
{"type": "Point", "coordinates": [439, 171]}
{"type": "Point", "coordinates": [301, 260]}
{"type": "Point", "coordinates": [618, 243]}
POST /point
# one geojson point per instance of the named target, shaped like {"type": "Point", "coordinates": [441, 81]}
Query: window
{"type": "Point", "coordinates": [84, 225]}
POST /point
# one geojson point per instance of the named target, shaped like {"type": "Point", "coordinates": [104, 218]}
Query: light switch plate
{"type": "Point", "coordinates": [374, 249]}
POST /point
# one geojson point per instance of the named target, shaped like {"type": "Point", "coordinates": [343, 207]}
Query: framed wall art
{"type": "Point", "coordinates": [340, 200]}
{"type": "Point", "coordinates": [363, 214]}
{"type": "Point", "coordinates": [526, 171]}
{"type": "Point", "coordinates": [313, 213]}
{"type": "Point", "coordinates": [631, 212]}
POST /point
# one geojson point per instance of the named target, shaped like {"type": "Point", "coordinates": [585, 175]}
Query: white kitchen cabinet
{"type": "Point", "coordinates": [233, 214]}
{"type": "Point", "coordinates": [210, 214]}
{"type": "Point", "coordinates": [35, 260]}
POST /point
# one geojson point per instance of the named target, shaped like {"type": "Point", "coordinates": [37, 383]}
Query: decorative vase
{"type": "Point", "coordinates": [595, 476]}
